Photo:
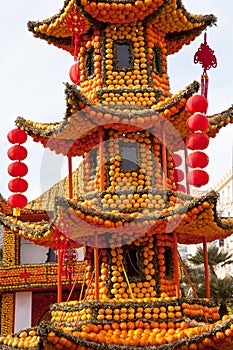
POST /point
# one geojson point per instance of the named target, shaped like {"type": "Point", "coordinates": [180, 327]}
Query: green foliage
{"type": "Point", "coordinates": [215, 257]}
{"type": "Point", "coordinates": [221, 289]}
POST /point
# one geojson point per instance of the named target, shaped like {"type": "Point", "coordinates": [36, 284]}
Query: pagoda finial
{"type": "Point", "coordinates": [205, 56]}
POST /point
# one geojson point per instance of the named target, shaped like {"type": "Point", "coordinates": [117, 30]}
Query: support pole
{"type": "Point", "coordinates": [176, 265]}
{"type": "Point", "coordinates": [102, 188]}
{"type": "Point", "coordinates": [60, 251]}
{"type": "Point", "coordinates": [206, 265]}
{"type": "Point", "coordinates": [59, 275]}
{"type": "Point", "coordinates": [70, 177]}
{"type": "Point", "coordinates": [186, 169]}
{"type": "Point", "coordinates": [96, 267]}
{"type": "Point", "coordinates": [164, 156]}
{"type": "Point", "coordinates": [101, 158]}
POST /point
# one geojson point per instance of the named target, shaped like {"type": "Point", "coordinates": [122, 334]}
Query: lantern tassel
{"type": "Point", "coordinates": [76, 26]}
{"type": "Point", "coordinates": [205, 56]}
{"type": "Point", "coordinates": [16, 212]}
{"type": "Point", "coordinates": [204, 84]}
{"type": "Point", "coordinates": [76, 42]}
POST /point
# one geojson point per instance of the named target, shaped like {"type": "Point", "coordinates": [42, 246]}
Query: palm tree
{"type": "Point", "coordinates": [215, 257]}
{"type": "Point", "coordinates": [221, 290]}
{"type": "Point", "coordinates": [195, 274]}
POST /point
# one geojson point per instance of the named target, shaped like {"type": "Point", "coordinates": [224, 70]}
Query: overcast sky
{"type": "Point", "coordinates": [32, 75]}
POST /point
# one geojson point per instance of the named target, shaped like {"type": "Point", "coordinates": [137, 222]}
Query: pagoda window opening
{"type": "Point", "coordinates": [51, 256]}
{"type": "Point", "coordinates": [89, 63]}
{"type": "Point", "coordinates": [157, 60]}
{"type": "Point", "coordinates": [90, 32]}
{"type": "Point", "coordinates": [130, 158]}
{"type": "Point", "coordinates": [93, 163]}
{"type": "Point", "coordinates": [168, 258]}
{"type": "Point", "coordinates": [132, 261]}
{"type": "Point", "coordinates": [124, 54]}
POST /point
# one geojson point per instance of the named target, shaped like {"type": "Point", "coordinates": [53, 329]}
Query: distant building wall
{"type": "Point", "coordinates": [224, 188]}
{"type": "Point", "coordinates": [23, 310]}
{"type": "Point", "coordinates": [31, 253]}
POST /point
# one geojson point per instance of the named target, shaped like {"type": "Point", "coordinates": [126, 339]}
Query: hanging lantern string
{"type": "Point", "coordinates": [205, 56]}
{"type": "Point", "coordinates": [17, 170]}
{"type": "Point", "coordinates": [76, 26]}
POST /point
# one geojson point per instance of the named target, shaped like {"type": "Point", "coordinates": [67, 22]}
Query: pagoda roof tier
{"type": "Point", "coordinates": [45, 202]}
{"type": "Point", "coordinates": [219, 120]}
{"type": "Point", "coordinates": [192, 329]}
{"type": "Point", "coordinates": [4, 207]}
{"type": "Point", "coordinates": [169, 16]}
{"type": "Point", "coordinates": [78, 221]}
{"type": "Point", "coordinates": [218, 333]}
{"type": "Point", "coordinates": [77, 132]}
{"type": "Point", "coordinates": [34, 213]}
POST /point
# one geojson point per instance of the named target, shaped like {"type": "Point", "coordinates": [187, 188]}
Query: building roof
{"type": "Point", "coordinates": [196, 324]}
{"type": "Point", "coordinates": [170, 16]}
{"type": "Point", "coordinates": [66, 138]}
{"type": "Point", "coordinates": [45, 202]}
{"type": "Point", "coordinates": [78, 219]}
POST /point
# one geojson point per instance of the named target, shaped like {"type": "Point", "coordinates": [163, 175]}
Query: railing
{"type": "Point", "coordinates": [31, 276]}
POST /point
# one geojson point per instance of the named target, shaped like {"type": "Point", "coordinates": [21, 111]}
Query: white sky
{"type": "Point", "coordinates": [32, 75]}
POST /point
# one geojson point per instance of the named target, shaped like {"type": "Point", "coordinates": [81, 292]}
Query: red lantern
{"type": "Point", "coordinates": [178, 175]}
{"type": "Point", "coordinates": [177, 159]}
{"type": "Point", "coordinates": [197, 178]}
{"type": "Point", "coordinates": [181, 188]}
{"type": "Point", "coordinates": [17, 136]}
{"type": "Point", "coordinates": [197, 141]}
{"type": "Point", "coordinates": [17, 169]}
{"type": "Point", "coordinates": [197, 103]}
{"type": "Point", "coordinates": [18, 185]}
{"type": "Point", "coordinates": [17, 152]}
{"type": "Point", "coordinates": [197, 122]}
{"type": "Point", "coordinates": [17, 200]}
{"type": "Point", "coordinates": [75, 74]}
{"type": "Point", "coordinates": [197, 160]}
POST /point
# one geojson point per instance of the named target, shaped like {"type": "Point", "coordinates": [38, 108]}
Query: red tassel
{"type": "Point", "coordinates": [205, 56]}
{"type": "Point", "coordinates": [204, 85]}
{"type": "Point", "coordinates": [76, 26]}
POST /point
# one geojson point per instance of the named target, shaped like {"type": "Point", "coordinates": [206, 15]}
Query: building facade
{"type": "Point", "coordinates": [224, 188]}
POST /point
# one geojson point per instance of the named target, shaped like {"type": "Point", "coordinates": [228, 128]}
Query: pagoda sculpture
{"type": "Point", "coordinates": [128, 206]}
